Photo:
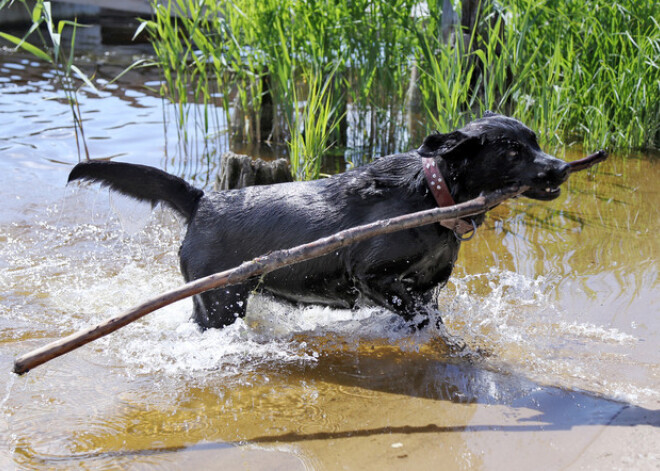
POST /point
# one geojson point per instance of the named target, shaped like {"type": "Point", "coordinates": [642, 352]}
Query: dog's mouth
{"type": "Point", "coordinates": [544, 194]}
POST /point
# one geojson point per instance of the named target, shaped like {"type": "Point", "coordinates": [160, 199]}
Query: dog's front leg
{"type": "Point", "coordinates": [394, 294]}
{"type": "Point", "coordinates": [423, 308]}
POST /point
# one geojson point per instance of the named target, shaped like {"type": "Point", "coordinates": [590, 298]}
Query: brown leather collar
{"type": "Point", "coordinates": [440, 191]}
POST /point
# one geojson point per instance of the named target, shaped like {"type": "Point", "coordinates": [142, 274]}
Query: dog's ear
{"type": "Point", "coordinates": [447, 145]}
{"type": "Point", "coordinates": [489, 114]}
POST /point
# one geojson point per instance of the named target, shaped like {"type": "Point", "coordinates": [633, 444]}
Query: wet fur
{"type": "Point", "coordinates": [396, 271]}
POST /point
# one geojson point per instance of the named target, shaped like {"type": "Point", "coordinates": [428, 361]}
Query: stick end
{"type": "Point", "coordinates": [20, 368]}
{"type": "Point", "coordinates": [601, 155]}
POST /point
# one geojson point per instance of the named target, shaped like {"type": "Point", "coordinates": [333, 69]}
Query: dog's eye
{"type": "Point", "coordinates": [512, 154]}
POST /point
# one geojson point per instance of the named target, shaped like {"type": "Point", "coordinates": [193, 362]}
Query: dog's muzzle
{"type": "Point", "coordinates": [545, 184]}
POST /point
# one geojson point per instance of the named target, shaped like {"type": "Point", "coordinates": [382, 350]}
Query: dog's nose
{"type": "Point", "coordinates": [557, 172]}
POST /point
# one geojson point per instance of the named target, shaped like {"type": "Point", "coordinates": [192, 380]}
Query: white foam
{"type": "Point", "coordinates": [272, 333]}
{"type": "Point", "coordinates": [594, 332]}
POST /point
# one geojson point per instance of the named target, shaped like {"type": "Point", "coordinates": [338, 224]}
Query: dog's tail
{"type": "Point", "coordinates": [141, 182]}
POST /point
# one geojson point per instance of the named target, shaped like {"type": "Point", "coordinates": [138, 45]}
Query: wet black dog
{"type": "Point", "coordinates": [397, 271]}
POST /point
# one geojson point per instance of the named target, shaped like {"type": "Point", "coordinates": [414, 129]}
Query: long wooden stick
{"type": "Point", "coordinates": [271, 262]}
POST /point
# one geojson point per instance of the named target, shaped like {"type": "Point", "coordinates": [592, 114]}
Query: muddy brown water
{"type": "Point", "coordinates": [558, 302]}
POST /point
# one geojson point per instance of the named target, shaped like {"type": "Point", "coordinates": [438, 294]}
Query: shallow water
{"type": "Point", "coordinates": [558, 303]}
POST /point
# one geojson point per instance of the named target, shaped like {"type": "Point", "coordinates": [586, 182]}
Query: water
{"type": "Point", "coordinates": [558, 303]}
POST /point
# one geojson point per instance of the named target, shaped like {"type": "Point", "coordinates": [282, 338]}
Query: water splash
{"type": "Point", "coordinates": [514, 322]}
{"type": "Point", "coordinates": [5, 429]}
{"type": "Point", "coordinates": [8, 389]}
{"type": "Point", "coordinates": [66, 273]}
{"type": "Point", "coordinates": [513, 318]}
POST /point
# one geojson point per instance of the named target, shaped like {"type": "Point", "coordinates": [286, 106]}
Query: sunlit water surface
{"type": "Point", "coordinates": [558, 303]}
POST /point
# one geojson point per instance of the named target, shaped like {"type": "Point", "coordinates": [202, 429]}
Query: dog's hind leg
{"type": "Point", "coordinates": [220, 307]}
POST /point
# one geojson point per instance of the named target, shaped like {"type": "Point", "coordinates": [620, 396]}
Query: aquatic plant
{"type": "Point", "coordinates": [312, 126]}
{"type": "Point", "coordinates": [189, 55]}
{"type": "Point", "coordinates": [260, 61]}
{"type": "Point", "coordinates": [386, 73]}
{"type": "Point", "coordinates": [580, 72]}
{"type": "Point", "coordinates": [595, 78]}
{"type": "Point", "coordinates": [53, 52]}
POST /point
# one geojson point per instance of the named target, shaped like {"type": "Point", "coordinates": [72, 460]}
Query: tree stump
{"type": "Point", "coordinates": [238, 171]}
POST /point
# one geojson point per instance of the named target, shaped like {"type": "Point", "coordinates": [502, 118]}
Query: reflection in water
{"type": "Point", "coordinates": [330, 403]}
{"type": "Point", "coordinates": [552, 299]}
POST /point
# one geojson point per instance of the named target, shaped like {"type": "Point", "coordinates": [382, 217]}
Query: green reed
{"type": "Point", "coordinates": [188, 42]}
{"type": "Point", "coordinates": [375, 75]}
{"type": "Point", "coordinates": [312, 126]}
{"type": "Point", "coordinates": [52, 50]}
{"type": "Point", "coordinates": [596, 77]}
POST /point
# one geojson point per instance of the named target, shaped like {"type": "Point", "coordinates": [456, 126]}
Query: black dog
{"type": "Point", "coordinates": [396, 271]}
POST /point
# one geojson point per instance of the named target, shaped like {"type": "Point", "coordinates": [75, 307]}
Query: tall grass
{"type": "Point", "coordinates": [375, 75]}
{"type": "Point", "coordinates": [312, 126]}
{"type": "Point", "coordinates": [596, 77]}
{"type": "Point", "coordinates": [262, 61]}
{"type": "Point", "coordinates": [190, 55]}
{"type": "Point", "coordinates": [578, 71]}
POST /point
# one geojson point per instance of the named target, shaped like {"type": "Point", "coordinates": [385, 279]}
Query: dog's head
{"type": "Point", "coordinates": [495, 152]}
